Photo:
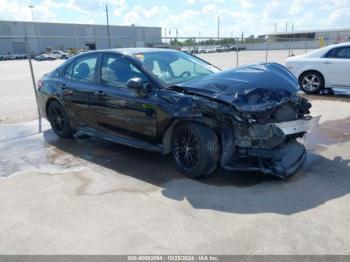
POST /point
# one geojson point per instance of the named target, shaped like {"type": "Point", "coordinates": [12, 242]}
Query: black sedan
{"type": "Point", "coordinates": [245, 119]}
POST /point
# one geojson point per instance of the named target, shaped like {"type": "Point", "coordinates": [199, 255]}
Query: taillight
{"type": "Point", "coordinates": [39, 84]}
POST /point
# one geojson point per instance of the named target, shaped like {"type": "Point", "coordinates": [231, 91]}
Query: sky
{"type": "Point", "coordinates": [189, 17]}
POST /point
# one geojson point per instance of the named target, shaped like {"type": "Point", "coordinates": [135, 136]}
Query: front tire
{"type": "Point", "coordinates": [59, 121]}
{"type": "Point", "coordinates": [195, 149]}
{"type": "Point", "coordinates": [311, 82]}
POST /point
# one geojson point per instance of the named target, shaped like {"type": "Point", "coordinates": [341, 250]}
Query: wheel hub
{"type": "Point", "coordinates": [56, 118]}
{"type": "Point", "coordinates": [186, 148]}
{"type": "Point", "coordinates": [311, 82]}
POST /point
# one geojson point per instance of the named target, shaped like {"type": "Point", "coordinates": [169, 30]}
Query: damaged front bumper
{"type": "Point", "coordinates": [298, 126]}
{"type": "Point", "coordinates": [282, 161]}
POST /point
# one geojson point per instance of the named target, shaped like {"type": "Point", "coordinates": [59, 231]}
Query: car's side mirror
{"type": "Point", "coordinates": [135, 83]}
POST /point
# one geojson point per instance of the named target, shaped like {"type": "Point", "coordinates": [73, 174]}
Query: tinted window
{"type": "Point", "coordinates": [340, 52]}
{"type": "Point", "coordinates": [117, 70]}
{"type": "Point", "coordinates": [54, 73]}
{"type": "Point", "coordinates": [343, 52]}
{"type": "Point", "coordinates": [83, 69]}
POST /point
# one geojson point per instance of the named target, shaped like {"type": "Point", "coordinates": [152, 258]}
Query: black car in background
{"type": "Point", "coordinates": [245, 119]}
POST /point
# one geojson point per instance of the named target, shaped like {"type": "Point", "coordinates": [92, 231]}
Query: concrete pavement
{"type": "Point", "coordinates": [87, 196]}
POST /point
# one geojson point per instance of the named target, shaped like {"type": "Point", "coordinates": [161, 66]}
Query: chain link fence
{"type": "Point", "coordinates": [238, 52]}
{"type": "Point", "coordinates": [22, 63]}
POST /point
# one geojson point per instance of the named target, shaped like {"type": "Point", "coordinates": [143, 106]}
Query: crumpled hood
{"type": "Point", "coordinates": [252, 88]}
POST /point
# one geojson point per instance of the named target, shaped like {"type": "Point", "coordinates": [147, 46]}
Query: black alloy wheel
{"type": "Point", "coordinates": [195, 149]}
{"type": "Point", "coordinates": [186, 148]}
{"type": "Point", "coordinates": [59, 120]}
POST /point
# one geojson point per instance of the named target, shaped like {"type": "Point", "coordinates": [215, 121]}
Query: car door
{"type": "Point", "coordinates": [336, 64]}
{"type": "Point", "coordinates": [119, 109]}
{"type": "Point", "coordinates": [78, 81]}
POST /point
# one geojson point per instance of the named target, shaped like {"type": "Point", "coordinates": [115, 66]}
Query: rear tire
{"type": "Point", "coordinates": [311, 82]}
{"type": "Point", "coordinates": [195, 149]}
{"type": "Point", "coordinates": [59, 121]}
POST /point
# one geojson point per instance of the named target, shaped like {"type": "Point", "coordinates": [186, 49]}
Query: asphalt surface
{"type": "Point", "coordinates": [87, 196]}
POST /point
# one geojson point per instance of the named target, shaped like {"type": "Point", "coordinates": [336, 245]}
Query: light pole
{"type": "Point", "coordinates": [29, 51]}
{"type": "Point", "coordinates": [108, 34]}
{"type": "Point", "coordinates": [31, 10]}
{"type": "Point", "coordinates": [218, 28]}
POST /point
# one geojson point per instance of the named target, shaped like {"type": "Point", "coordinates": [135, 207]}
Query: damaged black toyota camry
{"type": "Point", "coordinates": [244, 119]}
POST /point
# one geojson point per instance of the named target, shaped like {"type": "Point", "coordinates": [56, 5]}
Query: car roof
{"type": "Point", "coordinates": [135, 50]}
{"type": "Point", "coordinates": [341, 44]}
{"type": "Point", "coordinates": [322, 51]}
{"type": "Point", "coordinates": [122, 51]}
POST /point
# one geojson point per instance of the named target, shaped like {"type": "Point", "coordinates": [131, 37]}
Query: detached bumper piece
{"type": "Point", "coordinates": [282, 162]}
{"type": "Point", "coordinates": [289, 159]}
{"type": "Point", "coordinates": [298, 126]}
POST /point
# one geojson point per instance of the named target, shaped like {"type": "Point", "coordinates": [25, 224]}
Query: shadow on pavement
{"type": "Point", "coordinates": [320, 180]}
{"type": "Point", "coordinates": [339, 94]}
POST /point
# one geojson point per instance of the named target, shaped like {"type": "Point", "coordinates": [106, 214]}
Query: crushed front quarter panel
{"type": "Point", "coordinates": [251, 88]}
{"type": "Point", "coordinates": [259, 114]}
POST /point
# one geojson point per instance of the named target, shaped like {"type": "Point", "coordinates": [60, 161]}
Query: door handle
{"type": "Point", "coordinates": [65, 89]}
{"type": "Point", "coordinates": [100, 93]}
{"type": "Point", "coordinates": [327, 62]}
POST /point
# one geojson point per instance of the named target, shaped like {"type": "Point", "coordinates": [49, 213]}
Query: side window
{"type": "Point", "coordinates": [117, 70]}
{"type": "Point", "coordinates": [82, 69]}
{"type": "Point", "coordinates": [340, 52]}
{"type": "Point", "coordinates": [343, 52]}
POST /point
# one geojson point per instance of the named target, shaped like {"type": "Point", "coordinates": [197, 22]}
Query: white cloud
{"type": "Point", "coordinates": [189, 16]}
{"type": "Point", "coordinates": [245, 4]}
{"type": "Point", "coordinates": [338, 16]}
{"type": "Point", "coordinates": [146, 16]}
{"type": "Point", "coordinates": [210, 9]}
{"type": "Point", "coordinates": [183, 21]}
{"type": "Point", "coordinates": [17, 10]}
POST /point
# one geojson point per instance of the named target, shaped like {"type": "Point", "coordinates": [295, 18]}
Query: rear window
{"type": "Point", "coordinates": [82, 69]}
{"type": "Point", "coordinates": [54, 73]}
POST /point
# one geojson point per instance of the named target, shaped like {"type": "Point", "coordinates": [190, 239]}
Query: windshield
{"type": "Point", "coordinates": [175, 67]}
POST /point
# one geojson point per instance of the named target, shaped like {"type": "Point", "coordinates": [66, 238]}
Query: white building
{"type": "Point", "coordinates": [42, 36]}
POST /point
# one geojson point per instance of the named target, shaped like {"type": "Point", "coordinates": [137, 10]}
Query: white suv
{"type": "Point", "coordinates": [325, 67]}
